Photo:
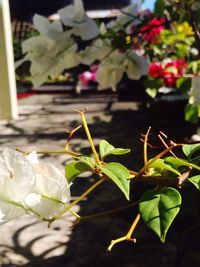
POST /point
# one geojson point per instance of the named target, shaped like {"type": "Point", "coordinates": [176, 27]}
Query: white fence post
{"type": "Point", "coordinates": [8, 94]}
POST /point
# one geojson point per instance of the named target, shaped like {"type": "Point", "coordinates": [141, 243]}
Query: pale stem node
{"type": "Point", "coordinates": [127, 237]}
{"type": "Point", "coordinates": [71, 133]}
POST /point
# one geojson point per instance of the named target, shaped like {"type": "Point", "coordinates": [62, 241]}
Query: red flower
{"type": "Point", "coordinates": [174, 70]}
{"type": "Point", "coordinates": [152, 29]}
{"type": "Point", "coordinates": [169, 71]}
{"type": "Point", "coordinates": [170, 81]}
{"type": "Point", "coordinates": [156, 69]}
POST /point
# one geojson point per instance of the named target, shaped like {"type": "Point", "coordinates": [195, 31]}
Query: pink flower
{"type": "Point", "coordinates": [94, 68]}
{"type": "Point", "coordinates": [86, 77]}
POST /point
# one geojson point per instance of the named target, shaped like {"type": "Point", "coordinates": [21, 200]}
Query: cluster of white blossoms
{"type": "Point", "coordinates": [56, 49]}
{"type": "Point", "coordinates": [30, 187]}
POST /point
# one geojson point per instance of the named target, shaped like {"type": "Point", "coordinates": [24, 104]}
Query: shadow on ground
{"type": "Point", "coordinates": [120, 123]}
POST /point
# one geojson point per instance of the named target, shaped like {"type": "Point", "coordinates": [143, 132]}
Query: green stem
{"type": "Point", "coordinates": [46, 152]}
{"type": "Point", "coordinates": [28, 210]}
{"type": "Point", "coordinates": [87, 192]}
{"type": "Point", "coordinates": [89, 137]}
{"type": "Point", "coordinates": [109, 212]}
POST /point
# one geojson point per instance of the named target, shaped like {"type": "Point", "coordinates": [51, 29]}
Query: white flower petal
{"type": "Point", "coordinates": [32, 157]}
{"type": "Point", "coordinates": [195, 91]}
{"type": "Point", "coordinates": [72, 15]}
{"type": "Point", "coordinates": [87, 30]}
{"type": "Point", "coordinates": [48, 208]}
{"type": "Point", "coordinates": [32, 199]}
{"type": "Point", "coordinates": [128, 13]}
{"type": "Point", "coordinates": [20, 177]}
{"type": "Point", "coordinates": [9, 212]}
{"type": "Point", "coordinates": [136, 66]}
{"type": "Point", "coordinates": [109, 75]}
{"type": "Point", "coordinates": [50, 29]}
{"type": "Point", "coordinates": [41, 23]}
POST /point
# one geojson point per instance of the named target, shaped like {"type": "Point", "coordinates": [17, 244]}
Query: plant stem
{"type": "Point", "coordinates": [89, 136]}
{"type": "Point", "coordinates": [132, 228]}
{"type": "Point", "coordinates": [161, 154]}
{"type": "Point", "coordinates": [109, 212]}
{"type": "Point", "coordinates": [46, 152]}
{"type": "Point", "coordinates": [127, 237]}
{"type": "Point", "coordinates": [89, 190]}
{"type": "Point", "coordinates": [145, 145]}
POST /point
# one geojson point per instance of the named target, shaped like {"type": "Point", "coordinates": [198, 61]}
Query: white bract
{"type": "Point", "coordinates": [111, 70]}
{"type": "Point", "coordinates": [195, 92]}
{"type": "Point", "coordinates": [99, 50]}
{"type": "Point", "coordinates": [26, 188]}
{"type": "Point", "coordinates": [51, 191]}
{"type": "Point", "coordinates": [127, 15]}
{"type": "Point", "coordinates": [56, 49]}
{"type": "Point", "coordinates": [49, 53]}
{"type": "Point", "coordinates": [74, 16]}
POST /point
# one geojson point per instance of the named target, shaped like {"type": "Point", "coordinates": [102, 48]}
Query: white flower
{"type": "Point", "coordinates": [43, 26]}
{"type": "Point", "coordinates": [109, 75]}
{"type": "Point", "coordinates": [74, 16]}
{"type": "Point", "coordinates": [51, 192]}
{"type": "Point", "coordinates": [38, 189]}
{"type": "Point", "coordinates": [128, 14]}
{"type": "Point", "coordinates": [137, 66]}
{"type": "Point", "coordinates": [49, 55]}
{"type": "Point", "coordinates": [17, 179]}
{"type": "Point", "coordinates": [111, 70]}
{"type": "Point", "coordinates": [195, 92]}
{"type": "Point", "coordinates": [99, 50]}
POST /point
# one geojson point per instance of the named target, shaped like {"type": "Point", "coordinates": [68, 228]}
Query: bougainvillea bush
{"type": "Point", "coordinates": [166, 45]}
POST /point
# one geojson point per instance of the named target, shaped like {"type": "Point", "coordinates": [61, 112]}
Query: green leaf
{"type": "Point", "coordinates": [177, 162]}
{"type": "Point", "coordinates": [184, 84]}
{"type": "Point", "coordinates": [107, 149]}
{"type": "Point", "coordinates": [195, 180]}
{"type": "Point", "coordinates": [159, 8]}
{"type": "Point", "coordinates": [190, 149]}
{"type": "Point", "coordinates": [195, 6]}
{"type": "Point", "coordinates": [87, 160]}
{"type": "Point", "coordinates": [158, 209]}
{"type": "Point", "coordinates": [75, 168]}
{"type": "Point", "coordinates": [120, 151]}
{"type": "Point", "coordinates": [119, 175]}
{"type": "Point", "coordinates": [191, 113]}
{"type": "Point", "coordinates": [160, 164]}
{"type": "Point", "coordinates": [152, 92]}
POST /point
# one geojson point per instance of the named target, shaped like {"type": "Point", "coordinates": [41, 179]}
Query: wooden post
{"type": "Point", "coordinates": [8, 92]}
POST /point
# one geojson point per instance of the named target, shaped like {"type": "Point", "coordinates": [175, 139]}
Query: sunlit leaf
{"type": "Point", "coordinates": [75, 168]}
{"type": "Point", "coordinates": [195, 180]}
{"type": "Point", "coordinates": [177, 162]}
{"type": "Point", "coordinates": [160, 164]}
{"type": "Point", "coordinates": [158, 208]}
{"type": "Point", "coordinates": [190, 149]}
{"type": "Point", "coordinates": [87, 160]}
{"type": "Point", "coordinates": [120, 151]}
{"type": "Point", "coordinates": [191, 113]}
{"type": "Point", "coordinates": [107, 149]}
{"type": "Point", "coordinates": [119, 175]}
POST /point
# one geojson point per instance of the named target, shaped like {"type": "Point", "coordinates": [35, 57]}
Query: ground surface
{"type": "Point", "coordinates": [26, 242]}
